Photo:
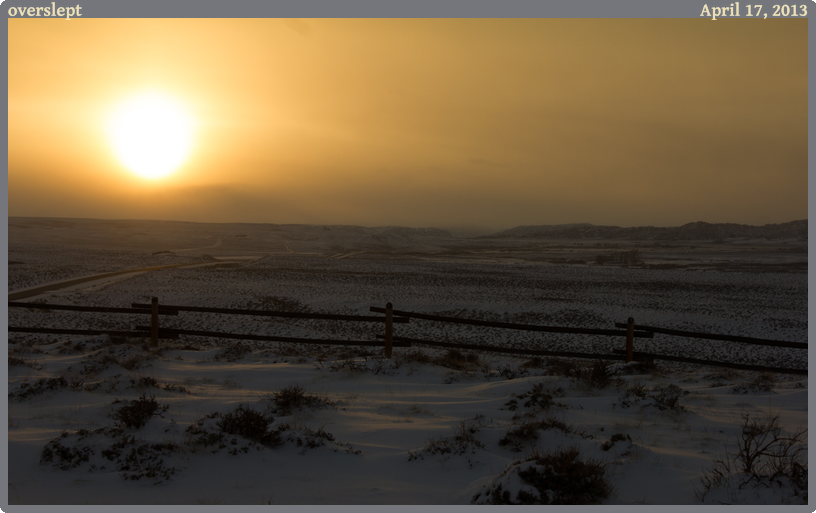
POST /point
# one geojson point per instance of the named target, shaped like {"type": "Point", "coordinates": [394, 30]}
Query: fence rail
{"type": "Point", "coordinates": [712, 336]}
{"type": "Point", "coordinates": [743, 366]}
{"type": "Point", "coordinates": [163, 310]}
{"type": "Point", "coordinates": [174, 333]}
{"type": "Point", "coordinates": [398, 316]}
{"type": "Point", "coordinates": [515, 326]}
{"type": "Point", "coordinates": [508, 350]}
{"type": "Point", "coordinates": [274, 313]}
{"type": "Point", "coordinates": [67, 331]}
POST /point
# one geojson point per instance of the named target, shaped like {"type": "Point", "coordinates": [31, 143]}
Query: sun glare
{"type": "Point", "coordinates": [151, 134]}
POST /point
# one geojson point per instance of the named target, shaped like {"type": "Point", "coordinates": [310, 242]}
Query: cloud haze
{"type": "Point", "coordinates": [491, 123]}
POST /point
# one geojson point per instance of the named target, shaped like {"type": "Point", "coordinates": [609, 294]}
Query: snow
{"type": "Point", "coordinates": [418, 428]}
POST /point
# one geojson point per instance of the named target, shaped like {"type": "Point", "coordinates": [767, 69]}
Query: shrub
{"type": "Point", "coordinates": [414, 355]}
{"type": "Point", "coordinates": [554, 478]}
{"type": "Point", "coordinates": [508, 372]}
{"type": "Point", "coordinates": [527, 433]}
{"type": "Point", "coordinates": [632, 394]}
{"type": "Point", "coordinates": [764, 450]}
{"type": "Point", "coordinates": [250, 424]}
{"type": "Point", "coordinates": [232, 353]}
{"type": "Point", "coordinates": [13, 361]}
{"type": "Point", "coordinates": [62, 456]}
{"type": "Point", "coordinates": [134, 459]}
{"type": "Point", "coordinates": [640, 367]}
{"type": "Point", "coordinates": [762, 383]}
{"type": "Point", "coordinates": [137, 413]}
{"type": "Point", "coordinates": [537, 399]}
{"type": "Point", "coordinates": [133, 362]}
{"type": "Point", "coordinates": [40, 386]}
{"type": "Point", "coordinates": [214, 429]}
{"type": "Point", "coordinates": [617, 437]}
{"type": "Point", "coordinates": [668, 397]}
{"type": "Point", "coordinates": [457, 360]}
{"type": "Point", "coordinates": [535, 362]}
{"type": "Point", "coordinates": [312, 439]}
{"type": "Point", "coordinates": [462, 442]}
{"type": "Point", "coordinates": [288, 399]}
{"type": "Point", "coordinates": [566, 368]}
{"type": "Point", "coordinates": [766, 457]}
{"type": "Point", "coordinates": [349, 364]}
{"type": "Point", "coordinates": [598, 375]}
{"type": "Point", "coordinates": [144, 382]}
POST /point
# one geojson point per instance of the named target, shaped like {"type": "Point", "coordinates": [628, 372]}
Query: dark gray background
{"type": "Point", "coordinates": [365, 9]}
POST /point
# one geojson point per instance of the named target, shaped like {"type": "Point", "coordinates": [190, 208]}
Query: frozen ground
{"type": "Point", "coordinates": [39, 264]}
{"type": "Point", "coordinates": [761, 305]}
{"type": "Point", "coordinates": [425, 427]}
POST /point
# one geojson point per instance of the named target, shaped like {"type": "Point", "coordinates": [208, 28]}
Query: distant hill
{"type": "Point", "coordinates": [147, 235]}
{"type": "Point", "coordinates": [691, 231]}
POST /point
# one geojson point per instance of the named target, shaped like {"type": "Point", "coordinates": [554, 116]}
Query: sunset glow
{"type": "Point", "coordinates": [151, 135]}
{"type": "Point", "coordinates": [451, 123]}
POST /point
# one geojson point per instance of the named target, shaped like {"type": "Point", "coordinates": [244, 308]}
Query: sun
{"type": "Point", "coordinates": [151, 134]}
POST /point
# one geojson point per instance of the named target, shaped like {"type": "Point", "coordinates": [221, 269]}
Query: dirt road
{"type": "Point", "coordinates": [22, 294]}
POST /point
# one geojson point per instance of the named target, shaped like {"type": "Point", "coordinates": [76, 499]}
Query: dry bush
{"type": "Point", "coordinates": [221, 431]}
{"type": "Point", "coordinates": [233, 353]}
{"type": "Point", "coordinates": [510, 372]}
{"type": "Point", "coordinates": [562, 367]}
{"type": "Point", "coordinates": [663, 398]}
{"type": "Point", "coordinates": [307, 438]}
{"type": "Point", "coordinates": [461, 443]}
{"type": "Point", "coordinates": [134, 459]}
{"type": "Point", "coordinates": [138, 412]}
{"type": "Point", "coordinates": [457, 360]}
{"type": "Point", "coordinates": [13, 361]}
{"type": "Point", "coordinates": [555, 478]}
{"type": "Point", "coordinates": [285, 401]}
{"type": "Point", "coordinates": [527, 433]}
{"type": "Point", "coordinates": [640, 367]}
{"type": "Point", "coordinates": [349, 365]}
{"type": "Point", "coordinates": [598, 375]}
{"type": "Point", "coordinates": [250, 424]}
{"type": "Point", "coordinates": [62, 456]}
{"type": "Point", "coordinates": [151, 382]}
{"type": "Point", "coordinates": [536, 399]}
{"type": "Point", "coordinates": [144, 382]}
{"type": "Point", "coordinates": [761, 383]}
{"type": "Point", "coordinates": [617, 437]}
{"type": "Point", "coordinates": [535, 362]}
{"type": "Point", "coordinates": [413, 356]}
{"type": "Point", "coordinates": [632, 394]}
{"type": "Point", "coordinates": [766, 457]}
{"type": "Point", "coordinates": [668, 398]}
{"type": "Point", "coordinates": [40, 386]}
{"type": "Point", "coordinates": [213, 429]}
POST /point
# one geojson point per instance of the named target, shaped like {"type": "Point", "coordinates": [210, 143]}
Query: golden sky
{"type": "Point", "coordinates": [446, 123]}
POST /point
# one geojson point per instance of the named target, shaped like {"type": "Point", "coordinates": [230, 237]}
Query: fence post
{"type": "Point", "coordinates": [389, 328]}
{"type": "Point", "coordinates": [154, 322]}
{"type": "Point", "coordinates": [630, 339]}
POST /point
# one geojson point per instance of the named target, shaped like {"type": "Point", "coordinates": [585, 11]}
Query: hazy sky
{"type": "Point", "coordinates": [447, 123]}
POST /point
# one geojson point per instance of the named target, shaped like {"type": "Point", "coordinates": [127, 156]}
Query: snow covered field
{"type": "Point", "coordinates": [230, 422]}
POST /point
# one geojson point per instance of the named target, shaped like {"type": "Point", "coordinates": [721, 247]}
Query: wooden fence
{"type": "Point", "coordinates": [391, 317]}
